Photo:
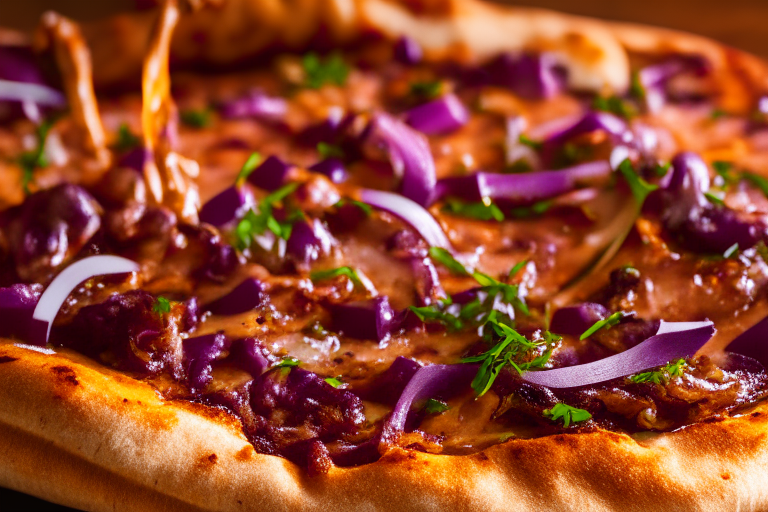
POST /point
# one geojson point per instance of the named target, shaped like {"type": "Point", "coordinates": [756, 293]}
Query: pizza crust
{"type": "Point", "coordinates": [88, 437]}
{"type": "Point", "coordinates": [79, 434]}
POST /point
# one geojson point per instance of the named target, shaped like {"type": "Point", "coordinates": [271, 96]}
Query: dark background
{"type": "Point", "coordinates": [739, 23]}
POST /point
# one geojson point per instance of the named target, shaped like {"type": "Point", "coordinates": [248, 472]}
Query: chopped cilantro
{"type": "Point", "coordinates": [333, 381]}
{"type": "Point", "coordinates": [328, 150]}
{"type": "Point", "coordinates": [435, 406]}
{"type": "Point", "coordinates": [439, 313]}
{"type": "Point", "coordinates": [758, 181]}
{"type": "Point", "coordinates": [446, 259]}
{"type": "Point", "coordinates": [662, 375]}
{"type": "Point", "coordinates": [567, 414]}
{"type": "Point", "coordinates": [661, 170]}
{"type": "Point", "coordinates": [605, 323]}
{"type": "Point", "coordinates": [732, 251]}
{"type": "Point", "coordinates": [426, 90]}
{"type": "Point", "coordinates": [319, 72]}
{"type": "Point", "coordinates": [717, 114]}
{"type": "Point", "coordinates": [535, 210]}
{"type": "Point", "coordinates": [255, 224]}
{"type": "Point", "coordinates": [640, 188]}
{"type": "Point", "coordinates": [524, 139]}
{"type": "Point", "coordinates": [248, 167]}
{"type": "Point", "coordinates": [517, 268]}
{"type": "Point", "coordinates": [322, 275]}
{"type": "Point", "coordinates": [514, 350]}
{"type": "Point", "coordinates": [481, 210]}
{"type": "Point", "coordinates": [35, 159]}
{"type": "Point", "coordinates": [125, 139]}
{"type": "Point", "coordinates": [363, 206]}
{"type": "Point", "coordinates": [615, 105]}
{"type": "Point", "coordinates": [288, 362]}
{"type": "Point", "coordinates": [161, 305]}
{"type": "Point", "coordinates": [636, 88]}
{"type": "Point", "coordinates": [196, 118]}
{"type": "Point", "coordinates": [714, 198]}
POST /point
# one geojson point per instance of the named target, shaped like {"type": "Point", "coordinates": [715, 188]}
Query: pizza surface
{"type": "Point", "coordinates": [382, 255]}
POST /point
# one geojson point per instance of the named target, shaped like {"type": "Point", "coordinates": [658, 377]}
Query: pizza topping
{"type": "Point", "coordinates": [254, 104]}
{"type": "Point", "coordinates": [23, 89]}
{"type": "Point", "coordinates": [753, 343]}
{"type": "Point", "coordinates": [17, 304]}
{"type": "Point", "coordinates": [411, 212]}
{"type": "Point", "coordinates": [442, 115]}
{"type": "Point", "coordinates": [199, 352]}
{"type": "Point", "coordinates": [566, 414]}
{"type": "Point", "coordinates": [57, 292]}
{"type": "Point", "coordinates": [246, 296]}
{"type": "Point", "coordinates": [228, 206]}
{"type": "Point", "coordinates": [270, 175]}
{"type": "Point", "coordinates": [372, 319]}
{"type": "Point", "coordinates": [408, 51]}
{"type": "Point", "coordinates": [575, 320]}
{"type": "Point", "coordinates": [672, 341]}
{"type": "Point", "coordinates": [408, 153]}
{"type": "Point", "coordinates": [530, 76]}
{"type": "Point", "coordinates": [333, 168]}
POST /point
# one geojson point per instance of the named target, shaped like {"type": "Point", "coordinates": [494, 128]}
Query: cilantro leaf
{"type": "Point", "coordinates": [288, 362]}
{"type": "Point", "coordinates": [481, 210]}
{"type": "Point", "coordinates": [367, 209]}
{"type": "Point", "coordinates": [640, 188]}
{"type": "Point", "coordinates": [717, 114]}
{"type": "Point", "coordinates": [758, 181]}
{"type": "Point", "coordinates": [714, 198]}
{"type": "Point", "coordinates": [514, 350]}
{"type": "Point", "coordinates": [536, 209]}
{"type": "Point", "coordinates": [329, 150]}
{"type": "Point", "coordinates": [439, 312]}
{"type": "Point", "coordinates": [32, 160]}
{"type": "Point", "coordinates": [605, 323]}
{"type": "Point", "coordinates": [636, 88]}
{"type": "Point", "coordinates": [161, 305]}
{"type": "Point", "coordinates": [319, 72]}
{"type": "Point", "coordinates": [196, 118]}
{"type": "Point", "coordinates": [446, 259]}
{"type": "Point", "coordinates": [333, 381]}
{"type": "Point", "coordinates": [615, 105]}
{"type": "Point", "coordinates": [662, 375]}
{"type": "Point", "coordinates": [322, 275]}
{"type": "Point", "coordinates": [248, 167]}
{"type": "Point", "coordinates": [534, 144]}
{"type": "Point", "coordinates": [125, 139]}
{"type": "Point", "coordinates": [426, 90]}
{"type": "Point", "coordinates": [567, 414]}
{"type": "Point", "coordinates": [435, 406]}
{"type": "Point", "coordinates": [254, 224]}
{"type": "Point", "coordinates": [517, 268]}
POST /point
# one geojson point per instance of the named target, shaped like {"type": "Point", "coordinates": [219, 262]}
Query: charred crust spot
{"type": "Point", "coordinates": [8, 359]}
{"type": "Point", "coordinates": [482, 457]}
{"type": "Point", "coordinates": [756, 415]}
{"type": "Point", "coordinates": [65, 374]}
{"type": "Point", "coordinates": [260, 320]}
{"type": "Point", "coordinates": [726, 476]}
{"type": "Point", "coordinates": [125, 400]}
{"type": "Point", "coordinates": [207, 461]}
{"type": "Point", "coordinates": [246, 453]}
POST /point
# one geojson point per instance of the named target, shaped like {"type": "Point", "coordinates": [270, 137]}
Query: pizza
{"type": "Point", "coordinates": [377, 254]}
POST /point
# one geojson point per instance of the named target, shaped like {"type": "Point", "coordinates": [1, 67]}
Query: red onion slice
{"type": "Point", "coordinates": [17, 304]}
{"type": "Point", "coordinates": [227, 206]}
{"type": "Point", "coordinates": [408, 51]}
{"type": "Point", "coordinates": [31, 93]}
{"type": "Point", "coordinates": [672, 341]}
{"type": "Point", "coordinates": [428, 382]}
{"type": "Point", "coordinates": [410, 212]}
{"type": "Point", "coordinates": [365, 320]}
{"type": "Point", "coordinates": [753, 342]}
{"type": "Point", "coordinates": [69, 278]}
{"type": "Point", "coordinates": [246, 296]}
{"type": "Point", "coordinates": [270, 175]}
{"type": "Point", "coordinates": [409, 154]}
{"type": "Point", "coordinates": [333, 168]}
{"type": "Point", "coordinates": [256, 104]}
{"type": "Point", "coordinates": [523, 188]}
{"type": "Point", "coordinates": [574, 320]}
{"type": "Point", "coordinates": [442, 115]}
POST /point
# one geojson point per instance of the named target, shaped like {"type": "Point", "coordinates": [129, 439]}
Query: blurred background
{"type": "Point", "coordinates": [739, 23]}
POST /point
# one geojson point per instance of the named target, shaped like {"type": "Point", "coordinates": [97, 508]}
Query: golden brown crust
{"type": "Point", "coordinates": [78, 434]}
{"type": "Point", "coordinates": [88, 437]}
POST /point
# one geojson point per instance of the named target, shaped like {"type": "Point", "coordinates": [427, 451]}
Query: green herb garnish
{"type": "Point", "coordinates": [536, 209]}
{"type": "Point", "coordinates": [363, 206]}
{"type": "Point", "coordinates": [514, 350]}
{"type": "Point", "coordinates": [566, 414]}
{"type": "Point", "coordinates": [481, 210]}
{"type": "Point", "coordinates": [196, 118]}
{"type": "Point", "coordinates": [126, 139]}
{"type": "Point", "coordinates": [435, 406]}
{"type": "Point", "coordinates": [288, 362]}
{"type": "Point", "coordinates": [636, 88]}
{"type": "Point", "coordinates": [329, 150]}
{"type": "Point", "coordinates": [255, 224]}
{"type": "Point", "coordinates": [319, 72]}
{"type": "Point", "coordinates": [248, 167]}
{"type": "Point", "coordinates": [517, 268]}
{"type": "Point", "coordinates": [605, 323]}
{"type": "Point", "coordinates": [322, 275]}
{"type": "Point", "coordinates": [35, 159]}
{"type": "Point", "coordinates": [661, 376]}
{"type": "Point", "coordinates": [615, 105]}
{"type": "Point", "coordinates": [446, 259]}
{"type": "Point", "coordinates": [714, 198]}
{"type": "Point", "coordinates": [161, 305]}
{"type": "Point", "coordinates": [640, 188]}
{"type": "Point", "coordinates": [758, 181]}
{"type": "Point", "coordinates": [534, 144]}
{"type": "Point", "coordinates": [731, 252]}
{"type": "Point", "coordinates": [426, 90]}
{"type": "Point", "coordinates": [333, 381]}
{"type": "Point", "coordinates": [717, 114]}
